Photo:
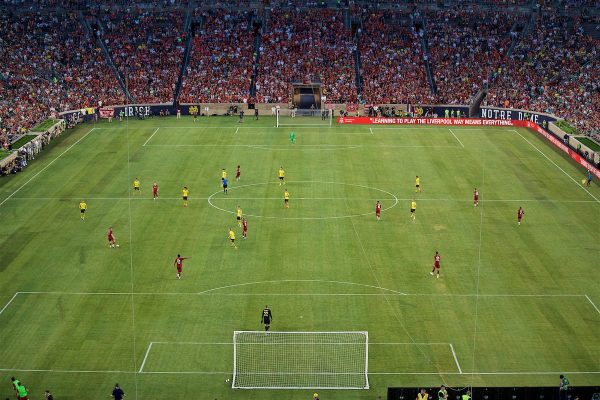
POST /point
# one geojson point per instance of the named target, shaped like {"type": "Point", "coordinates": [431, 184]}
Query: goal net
{"type": "Point", "coordinates": [304, 117]}
{"type": "Point", "coordinates": [300, 360]}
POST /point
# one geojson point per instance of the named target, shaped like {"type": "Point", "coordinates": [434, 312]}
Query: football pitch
{"type": "Point", "coordinates": [514, 305]}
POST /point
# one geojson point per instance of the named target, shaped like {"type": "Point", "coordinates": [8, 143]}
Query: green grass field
{"type": "Point", "coordinates": [515, 305]}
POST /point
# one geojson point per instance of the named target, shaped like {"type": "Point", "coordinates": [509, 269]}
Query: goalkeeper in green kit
{"type": "Point", "coordinates": [292, 137]}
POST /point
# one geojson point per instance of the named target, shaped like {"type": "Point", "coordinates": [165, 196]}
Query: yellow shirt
{"type": "Point", "coordinates": [82, 206]}
{"type": "Point", "coordinates": [422, 397]}
{"type": "Point", "coordinates": [136, 184]}
{"type": "Point", "coordinates": [224, 174]}
{"type": "Point", "coordinates": [286, 195]}
{"type": "Point", "coordinates": [281, 173]}
{"type": "Point", "coordinates": [413, 205]}
{"type": "Point", "coordinates": [239, 212]}
{"type": "Point", "coordinates": [231, 235]}
{"type": "Point", "coordinates": [417, 181]}
{"type": "Point", "coordinates": [185, 192]}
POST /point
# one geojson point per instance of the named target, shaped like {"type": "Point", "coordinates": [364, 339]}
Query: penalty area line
{"type": "Point", "coordinates": [592, 303]}
{"type": "Point", "coordinates": [456, 137]}
{"type": "Point", "coordinates": [14, 296]}
{"type": "Point", "coordinates": [46, 166]}
{"type": "Point", "coordinates": [151, 136]}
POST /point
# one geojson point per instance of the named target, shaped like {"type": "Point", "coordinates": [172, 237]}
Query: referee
{"type": "Point", "coordinates": [266, 317]}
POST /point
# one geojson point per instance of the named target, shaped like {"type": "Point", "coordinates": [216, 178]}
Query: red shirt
{"type": "Point", "coordinates": [110, 234]}
{"type": "Point", "coordinates": [476, 195]}
{"type": "Point", "coordinates": [155, 188]}
{"type": "Point", "coordinates": [378, 208]}
{"type": "Point", "coordinates": [237, 172]}
{"type": "Point", "coordinates": [520, 213]}
{"type": "Point", "coordinates": [437, 259]}
{"type": "Point", "coordinates": [179, 262]}
{"type": "Point", "coordinates": [245, 225]}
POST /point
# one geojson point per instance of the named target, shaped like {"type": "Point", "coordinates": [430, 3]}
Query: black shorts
{"type": "Point", "coordinates": [224, 186]}
{"type": "Point", "coordinates": [281, 178]}
{"type": "Point", "coordinates": [184, 197]}
{"type": "Point", "coordinates": [417, 185]}
{"type": "Point", "coordinates": [232, 240]}
{"type": "Point", "coordinates": [136, 188]}
{"type": "Point", "coordinates": [83, 211]}
{"type": "Point", "coordinates": [286, 200]}
{"type": "Point", "coordinates": [267, 321]}
{"type": "Point", "coordinates": [412, 210]}
{"type": "Point", "coordinates": [238, 218]}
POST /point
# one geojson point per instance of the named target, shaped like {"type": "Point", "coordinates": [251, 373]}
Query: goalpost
{"type": "Point", "coordinates": [304, 117]}
{"type": "Point", "coordinates": [300, 360]}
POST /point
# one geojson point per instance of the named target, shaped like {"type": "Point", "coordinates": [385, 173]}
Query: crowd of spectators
{"type": "Point", "coordinates": [306, 45]}
{"type": "Point", "coordinates": [48, 65]}
{"type": "Point", "coordinates": [222, 59]}
{"type": "Point", "coordinates": [554, 69]}
{"type": "Point", "coordinates": [147, 48]}
{"type": "Point", "coordinates": [392, 67]}
{"type": "Point", "coordinates": [466, 45]}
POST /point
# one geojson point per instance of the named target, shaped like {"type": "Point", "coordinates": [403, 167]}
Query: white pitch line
{"type": "Point", "coordinates": [455, 359]}
{"type": "Point", "coordinates": [592, 303]}
{"type": "Point", "coordinates": [237, 129]}
{"type": "Point", "coordinates": [210, 292]}
{"type": "Point", "coordinates": [557, 166]}
{"type": "Point", "coordinates": [46, 166]}
{"type": "Point", "coordinates": [151, 136]}
{"type": "Point", "coordinates": [456, 137]}
{"type": "Point", "coordinates": [8, 304]}
{"type": "Point", "coordinates": [229, 372]}
{"type": "Point", "coordinates": [310, 198]}
{"type": "Point", "coordinates": [145, 357]}
{"type": "Point", "coordinates": [371, 130]}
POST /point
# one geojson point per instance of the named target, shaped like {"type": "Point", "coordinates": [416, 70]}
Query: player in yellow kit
{"type": "Point", "coordinates": [281, 176]}
{"type": "Point", "coordinates": [185, 194]}
{"type": "Point", "coordinates": [136, 185]}
{"type": "Point", "coordinates": [417, 184]}
{"type": "Point", "coordinates": [286, 199]}
{"type": "Point", "coordinates": [82, 208]}
{"type": "Point", "coordinates": [223, 174]}
{"type": "Point", "coordinates": [232, 237]}
{"type": "Point", "coordinates": [239, 216]}
{"type": "Point", "coordinates": [413, 209]}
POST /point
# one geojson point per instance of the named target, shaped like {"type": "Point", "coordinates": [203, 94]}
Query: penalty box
{"type": "Point", "coordinates": [94, 331]}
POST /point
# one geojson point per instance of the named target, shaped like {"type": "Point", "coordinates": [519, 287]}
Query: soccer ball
{"type": "Point", "coordinates": [117, 245]}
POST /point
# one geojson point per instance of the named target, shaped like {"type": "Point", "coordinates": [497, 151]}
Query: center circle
{"type": "Point", "coordinates": [389, 197]}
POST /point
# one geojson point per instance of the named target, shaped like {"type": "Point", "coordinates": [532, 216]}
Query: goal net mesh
{"type": "Point", "coordinates": [304, 117]}
{"type": "Point", "coordinates": [300, 360]}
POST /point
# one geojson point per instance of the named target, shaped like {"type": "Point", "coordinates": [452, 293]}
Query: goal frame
{"type": "Point", "coordinates": [327, 123]}
{"type": "Point", "coordinates": [366, 367]}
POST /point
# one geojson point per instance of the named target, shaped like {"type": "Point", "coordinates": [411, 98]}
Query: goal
{"type": "Point", "coordinates": [300, 360]}
{"type": "Point", "coordinates": [304, 117]}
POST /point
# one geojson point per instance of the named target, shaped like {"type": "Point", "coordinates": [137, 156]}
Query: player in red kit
{"type": "Point", "coordinates": [520, 214]}
{"type": "Point", "coordinates": [237, 173]}
{"type": "Point", "coordinates": [244, 228]}
{"type": "Point", "coordinates": [378, 210]}
{"type": "Point", "coordinates": [112, 242]}
{"type": "Point", "coordinates": [154, 191]}
{"type": "Point", "coordinates": [179, 264]}
{"type": "Point", "coordinates": [475, 197]}
{"type": "Point", "coordinates": [436, 264]}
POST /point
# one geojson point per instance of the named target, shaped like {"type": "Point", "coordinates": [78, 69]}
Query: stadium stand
{"type": "Point", "coordinates": [306, 44]}
{"type": "Point", "coordinates": [221, 63]}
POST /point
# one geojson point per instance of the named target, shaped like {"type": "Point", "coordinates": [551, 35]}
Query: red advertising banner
{"type": "Point", "coordinates": [106, 112]}
{"type": "Point", "coordinates": [427, 121]}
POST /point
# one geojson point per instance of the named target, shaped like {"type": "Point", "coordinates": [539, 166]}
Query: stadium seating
{"type": "Point", "coordinates": [553, 70]}
{"type": "Point", "coordinates": [392, 63]}
{"type": "Point", "coordinates": [304, 45]}
{"type": "Point", "coordinates": [53, 62]}
{"type": "Point", "coordinates": [221, 62]}
{"type": "Point", "coordinates": [147, 49]}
